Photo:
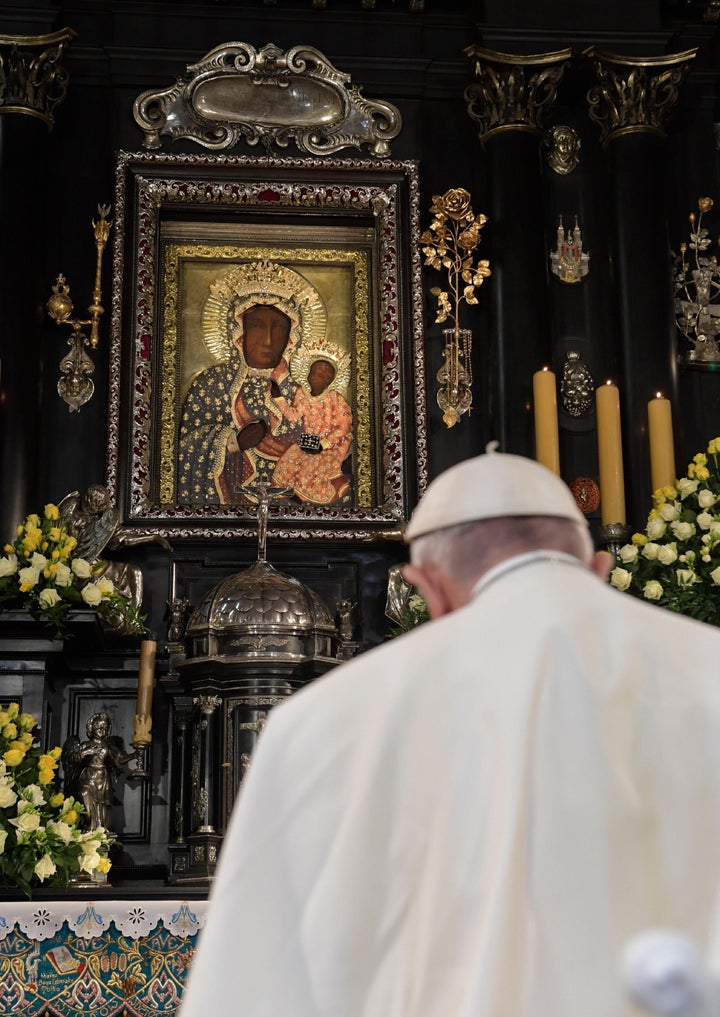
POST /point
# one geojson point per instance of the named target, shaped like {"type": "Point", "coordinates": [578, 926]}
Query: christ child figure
{"type": "Point", "coordinates": [313, 465]}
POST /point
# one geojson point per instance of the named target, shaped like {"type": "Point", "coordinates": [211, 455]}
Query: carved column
{"type": "Point", "coordinates": [178, 848]}
{"type": "Point", "coordinates": [631, 103]}
{"type": "Point", "coordinates": [510, 100]}
{"type": "Point", "coordinates": [204, 841]}
{"type": "Point", "coordinates": [32, 83]}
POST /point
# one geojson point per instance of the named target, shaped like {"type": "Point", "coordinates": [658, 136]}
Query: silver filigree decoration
{"type": "Point", "coordinates": [576, 385]}
{"type": "Point", "coordinates": [267, 97]}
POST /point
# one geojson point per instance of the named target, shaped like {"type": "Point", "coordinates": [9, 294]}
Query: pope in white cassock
{"type": "Point", "coordinates": [474, 819]}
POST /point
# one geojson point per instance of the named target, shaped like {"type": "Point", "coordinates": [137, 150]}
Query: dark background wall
{"type": "Point", "coordinates": [412, 55]}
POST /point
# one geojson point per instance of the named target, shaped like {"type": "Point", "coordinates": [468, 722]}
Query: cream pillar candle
{"type": "Point", "coordinates": [609, 435]}
{"type": "Point", "coordinates": [547, 441]}
{"type": "Point", "coordinates": [662, 445]}
{"type": "Point", "coordinates": [146, 677]}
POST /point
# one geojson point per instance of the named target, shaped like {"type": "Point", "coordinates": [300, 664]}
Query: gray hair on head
{"type": "Point", "coordinates": [467, 551]}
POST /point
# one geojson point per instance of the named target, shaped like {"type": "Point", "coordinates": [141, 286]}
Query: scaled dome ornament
{"type": "Point", "coordinates": [261, 613]}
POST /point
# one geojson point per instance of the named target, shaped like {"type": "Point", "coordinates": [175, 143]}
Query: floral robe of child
{"type": "Point", "coordinates": [318, 477]}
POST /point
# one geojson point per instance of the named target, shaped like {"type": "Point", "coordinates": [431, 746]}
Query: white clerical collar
{"type": "Point", "coordinates": [519, 561]}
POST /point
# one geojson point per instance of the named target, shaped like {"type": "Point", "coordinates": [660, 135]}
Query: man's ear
{"type": "Point", "coordinates": [431, 587]}
{"type": "Point", "coordinates": [602, 564]}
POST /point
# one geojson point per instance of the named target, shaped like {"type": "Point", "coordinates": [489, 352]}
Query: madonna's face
{"type": "Point", "coordinates": [266, 332]}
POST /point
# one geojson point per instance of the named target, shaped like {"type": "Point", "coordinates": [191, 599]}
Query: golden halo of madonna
{"type": "Point", "coordinates": [260, 282]}
{"type": "Point", "coordinates": [305, 356]}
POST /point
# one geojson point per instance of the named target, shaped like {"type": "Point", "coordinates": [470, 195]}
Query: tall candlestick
{"type": "Point", "coordinates": [146, 677]}
{"type": "Point", "coordinates": [662, 445]}
{"type": "Point", "coordinates": [547, 442]}
{"type": "Point", "coordinates": [609, 434]}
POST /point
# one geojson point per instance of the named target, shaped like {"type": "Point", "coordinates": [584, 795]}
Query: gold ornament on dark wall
{"type": "Point", "coordinates": [450, 244]}
{"type": "Point", "coordinates": [586, 493]}
{"type": "Point", "coordinates": [635, 94]}
{"type": "Point", "coordinates": [33, 78]}
{"type": "Point", "coordinates": [563, 149]}
{"type": "Point", "coordinates": [513, 92]}
{"type": "Point", "coordinates": [697, 291]}
{"type": "Point", "coordinates": [568, 261]}
{"type": "Point", "coordinates": [76, 367]}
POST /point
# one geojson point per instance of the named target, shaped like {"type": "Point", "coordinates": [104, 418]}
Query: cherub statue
{"type": "Point", "coordinates": [178, 608]}
{"type": "Point", "coordinates": [345, 628]}
{"type": "Point", "coordinates": [92, 768]}
{"type": "Point", "coordinates": [95, 523]}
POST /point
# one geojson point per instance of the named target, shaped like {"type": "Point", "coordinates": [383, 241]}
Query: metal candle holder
{"type": "Point", "coordinates": [75, 385]}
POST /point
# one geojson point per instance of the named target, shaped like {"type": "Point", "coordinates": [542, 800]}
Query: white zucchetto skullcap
{"type": "Point", "coordinates": [492, 486]}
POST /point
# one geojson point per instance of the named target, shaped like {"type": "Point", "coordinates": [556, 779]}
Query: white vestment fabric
{"type": "Point", "coordinates": [473, 819]}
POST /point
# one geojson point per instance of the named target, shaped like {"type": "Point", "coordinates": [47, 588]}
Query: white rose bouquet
{"type": "Point", "coordinates": [38, 573]}
{"type": "Point", "coordinates": [676, 562]}
{"type": "Point", "coordinates": [41, 841]}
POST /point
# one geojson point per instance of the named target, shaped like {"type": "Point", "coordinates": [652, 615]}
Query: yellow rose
{"type": "Point", "coordinates": [13, 711]}
{"type": "Point", "coordinates": [54, 534]}
{"type": "Point", "coordinates": [46, 762]}
{"type": "Point", "coordinates": [702, 473]}
{"type": "Point", "coordinates": [713, 448]}
{"type": "Point", "coordinates": [33, 521]}
{"type": "Point", "coordinates": [26, 722]}
{"type": "Point", "coordinates": [3, 719]}
{"type": "Point", "coordinates": [57, 800]}
{"type": "Point", "coordinates": [639, 539]}
{"type": "Point", "coordinates": [46, 776]}
{"type": "Point", "coordinates": [56, 752]}
{"type": "Point", "coordinates": [13, 757]}
{"type": "Point", "coordinates": [700, 459]}
{"type": "Point", "coordinates": [20, 746]}
{"type": "Point", "coordinates": [8, 549]}
{"type": "Point", "coordinates": [669, 492]}
{"type": "Point", "coordinates": [104, 865]}
{"type": "Point", "coordinates": [71, 817]}
{"type": "Point", "coordinates": [26, 738]}
{"type": "Point", "coordinates": [20, 530]}
{"type": "Point", "coordinates": [10, 731]}
{"type": "Point", "coordinates": [52, 511]}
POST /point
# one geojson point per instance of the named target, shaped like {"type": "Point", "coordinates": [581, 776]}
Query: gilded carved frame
{"type": "Point", "coordinates": [348, 228]}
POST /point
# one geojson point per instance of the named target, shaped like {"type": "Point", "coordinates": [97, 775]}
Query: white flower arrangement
{"type": "Point", "coordinates": [41, 840]}
{"type": "Point", "coordinates": [676, 562]}
{"type": "Point", "coordinates": [38, 573]}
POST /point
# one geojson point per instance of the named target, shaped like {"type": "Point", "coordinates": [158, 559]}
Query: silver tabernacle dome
{"type": "Point", "coordinates": [261, 613]}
